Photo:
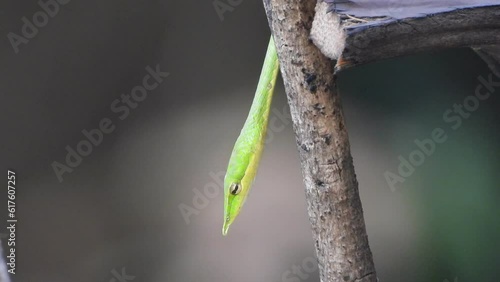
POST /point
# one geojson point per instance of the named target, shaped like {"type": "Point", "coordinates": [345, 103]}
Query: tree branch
{"type": "Point", "coordinates": [333, 201]}
{"type": "Point", "coordinates": [377, 38]}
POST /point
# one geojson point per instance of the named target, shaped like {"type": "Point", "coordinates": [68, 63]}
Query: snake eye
{"type": "Point", "coordinates": [235, 188]}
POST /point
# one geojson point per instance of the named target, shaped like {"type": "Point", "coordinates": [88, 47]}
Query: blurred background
{"type": "Point", "coordinates": [146, 203]}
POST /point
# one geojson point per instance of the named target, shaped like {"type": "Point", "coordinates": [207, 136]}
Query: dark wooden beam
{"type": "Point", "coordinates": [376, 38]}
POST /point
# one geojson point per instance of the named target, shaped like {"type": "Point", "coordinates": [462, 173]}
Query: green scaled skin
{"type": "Point", "coordinates": [248, 149]}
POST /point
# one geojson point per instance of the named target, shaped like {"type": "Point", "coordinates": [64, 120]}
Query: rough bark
{"type": "Point", "coordinates": [333, 201]}
{"type": "Point", "coordinates": [375, 39]}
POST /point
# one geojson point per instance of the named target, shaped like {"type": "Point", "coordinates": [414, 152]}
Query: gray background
{"type": "Point", "coordinates": [120, 207]}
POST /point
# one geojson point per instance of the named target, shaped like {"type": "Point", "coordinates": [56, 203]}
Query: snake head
{"type": "Point", "coordinates": [234, 198]}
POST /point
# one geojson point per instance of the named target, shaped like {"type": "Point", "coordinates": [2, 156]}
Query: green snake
{"type": "Point", "coordinates": [248, 148]}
